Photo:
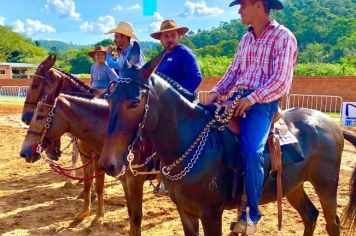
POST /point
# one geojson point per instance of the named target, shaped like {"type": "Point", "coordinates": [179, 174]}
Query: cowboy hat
{"type": "Point", "coordinates": [125, 29]}
{"type": "Point", "coordinates": [273, 4]}
{"type": "Point", "coordinates": [169, 25]}
{"type": "Point", "coordinates": [98, 48]}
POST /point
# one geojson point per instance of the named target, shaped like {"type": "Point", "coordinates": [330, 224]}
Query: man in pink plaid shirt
{"type": "Point", "coordinates": [263, 67]}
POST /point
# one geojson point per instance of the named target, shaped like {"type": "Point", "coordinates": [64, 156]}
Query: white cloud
{"type": "Point", "coordinates": [118, 8]}
{"type": "Point", "coordinates": [155, 26]}
{"type": "Point", "coordinates": [31, 27]}
{"type": "Point", "coordinates": [199, 9]}
{"type": "Point", "coordinates": [19, 26]}
{"type": "Point", "coordinates": [87, 26]}
{"type": "Point", "coordinates": [105, 23]}
{"type": "Point", "coordinates": [64, 7]}
{"type": "Point", "coordinates": [2, 20]}
{"type": "Point", "coordinates": [102, 25]}
{"type": "Point", "coordinates": [34, 26]}
{"type": "Point", "coordinates": [133, 7]}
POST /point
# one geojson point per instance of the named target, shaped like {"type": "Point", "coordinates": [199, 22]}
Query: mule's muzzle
{"type": "Point", "coordinates": [29, 153]}
{"type": "Point", "coordinates": [27, 117]}
{"type": "Point", "coordinates": [111, 170]}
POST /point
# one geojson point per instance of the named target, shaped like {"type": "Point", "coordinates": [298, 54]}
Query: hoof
{"type": "Point", "coordinates": [81, 216]}
{"type": "Point", "coordinates": [98, 221]}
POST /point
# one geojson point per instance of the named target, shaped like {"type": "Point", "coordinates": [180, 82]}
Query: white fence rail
{"type": "Point", "coordinates": [14, 91]}
{"type": "Point", "coordinates": [323, 103]}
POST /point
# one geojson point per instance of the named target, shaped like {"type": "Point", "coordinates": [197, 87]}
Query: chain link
{"type": "Point", "coordinates": [190, 165]}
{"type": "Point", "coordinates": [202, 137]}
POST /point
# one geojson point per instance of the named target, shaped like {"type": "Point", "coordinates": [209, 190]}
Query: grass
{"type": "Point", "coordinates": [333, 114]}
{"type": "Point", "coordinates": [11, 100]}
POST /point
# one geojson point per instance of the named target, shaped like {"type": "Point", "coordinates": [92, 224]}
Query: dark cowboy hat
{"type": "Point", "coordinates": [98, 48]}
{"type": "Point", "coordinates": [169, 25]}
{"type": "Point", "coordinates": [273, 4]}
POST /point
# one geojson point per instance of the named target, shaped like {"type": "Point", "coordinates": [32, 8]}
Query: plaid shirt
{"type": "Point", "coordinates": [264, 64]}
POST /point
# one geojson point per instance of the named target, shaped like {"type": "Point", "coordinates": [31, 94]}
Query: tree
{"type": "Point", "coordinates": [81, 63]}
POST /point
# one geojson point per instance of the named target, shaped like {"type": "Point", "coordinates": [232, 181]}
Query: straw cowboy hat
{"type": "Point", "coordinates": [125, 29]}
{"type": "Point", "coordinates": [169, 25]}
{"type": "Point", "coordinates": [273, 4]}
{"type": "Point", "coordinates": [98, 48]}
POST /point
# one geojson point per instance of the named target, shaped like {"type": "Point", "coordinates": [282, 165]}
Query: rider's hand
{"type": "Point", "coordinates": [111, 48]}
{"type": "Point", "coordinates": [212, 97]}
{"type": "Point", "coordinates": [242, 106]}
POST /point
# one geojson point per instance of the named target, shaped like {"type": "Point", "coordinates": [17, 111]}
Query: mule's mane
{"type": "Point", "coordinates": [182, 91]}
{"type": "Point", "coordinates": [77, 82]}
{"type": "Point", "coordinates": [93, 100]}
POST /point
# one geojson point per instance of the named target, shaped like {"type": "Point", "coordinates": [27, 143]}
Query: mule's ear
{"type": "Point", "coordinates": [134, 55]}
{"type": "Point", "coordinates": [150, 66]}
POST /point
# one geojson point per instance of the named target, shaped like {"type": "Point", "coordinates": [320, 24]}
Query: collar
{"type": "Point", "coordinates": [273, 24]}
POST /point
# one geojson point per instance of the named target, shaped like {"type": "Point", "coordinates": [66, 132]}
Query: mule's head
{"type": "Point", "coordinates": [36, 89]}
{"type": "Point", "coordinates": [40, 123]}
{"type": "Point", "coordinates": [128, 108]}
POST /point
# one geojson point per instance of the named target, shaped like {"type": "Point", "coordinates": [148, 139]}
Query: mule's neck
{"type": "Point", "coordinates": [70, 85]}
{"type": "Point", "coordinates": [85, 119]}
{"type": "Point", "coordinates": [180, 122]}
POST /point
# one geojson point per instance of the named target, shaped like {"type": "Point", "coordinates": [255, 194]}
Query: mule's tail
{"type": "Point", "coordinates": [349, 136]}
{"type": "Point", "coordinates": [348, 217]}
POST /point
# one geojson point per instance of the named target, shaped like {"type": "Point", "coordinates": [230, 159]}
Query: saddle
{"type": "Point", "coordinates": [275, 154]}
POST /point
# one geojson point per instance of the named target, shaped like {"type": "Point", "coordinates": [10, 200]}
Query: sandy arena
{"type": "Point", "coordinates": [36, 201]}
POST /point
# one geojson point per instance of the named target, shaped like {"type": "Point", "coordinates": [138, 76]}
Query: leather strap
{"type": "Point", "coordinates": [276, 166]}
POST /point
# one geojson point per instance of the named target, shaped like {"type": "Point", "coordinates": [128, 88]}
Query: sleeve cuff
{"type": "Point", "coordinates": [253, 98]}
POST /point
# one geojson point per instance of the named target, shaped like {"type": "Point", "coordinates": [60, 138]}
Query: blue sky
{"type": "Point", "coordinates": [85, 21]}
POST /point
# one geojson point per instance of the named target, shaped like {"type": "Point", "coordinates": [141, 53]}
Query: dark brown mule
{"type": "Point", "coordinates": [199, 182]}
{"type": "Point", "coordinates": [87, 120]}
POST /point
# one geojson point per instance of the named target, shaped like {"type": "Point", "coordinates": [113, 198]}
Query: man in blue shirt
{"type": "Point", "coordinates": [179, 62]}
{"type": "Point", "coordinates": [100, 73]}
{"type": "Point", "coordinates": [123, 35]}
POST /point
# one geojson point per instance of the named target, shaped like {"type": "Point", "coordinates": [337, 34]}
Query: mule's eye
{"type": "Point", "coordinates": [134, 103]}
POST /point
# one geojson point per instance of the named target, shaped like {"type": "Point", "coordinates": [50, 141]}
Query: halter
{"type": "Point", "coordinates": [47, 125]}
{"type": "Point", "coordinates": [41, 77]}
{"type": "Point", "coordinates": [55, 166]}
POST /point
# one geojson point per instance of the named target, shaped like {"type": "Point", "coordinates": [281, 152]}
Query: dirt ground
{"type": "Point", "coordinates": [36, 201]}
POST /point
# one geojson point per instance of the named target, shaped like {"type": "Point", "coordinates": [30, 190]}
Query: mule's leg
{"type": "Point", "coordinates": [134, 195]}
{"type": "Point", "coordinates": [306, 209]}
{"type": "Point", "coordinates": [88, 171]}
{"type": "Point", "coordinates": [211, 221]}
{"type": "Point", "coordinates": [325, 186]}
{"type": "Point", "coordinates": [190, 223]}
{"type": "Point", "coordinates": [99, 187]}
{"type": "Point", "coordinates": [75, 153]}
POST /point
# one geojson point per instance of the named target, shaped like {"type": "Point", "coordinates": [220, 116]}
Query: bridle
{"type": "Point", "coordinates": [41, 77]}
{"type": "Point", "coordinates": [56, 167]}
{"type": "Point", "coordinates": [138, 134]}
{"type": "Point", "coordinates": [49, 119]}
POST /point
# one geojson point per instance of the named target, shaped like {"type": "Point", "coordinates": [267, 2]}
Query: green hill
{"type": "Point", "coordinates": [325, 30]}
{"type": "Point", "coordinates": [17, 48]}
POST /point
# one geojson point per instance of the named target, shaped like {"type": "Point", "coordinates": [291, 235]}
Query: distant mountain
{"type": "Point", "coordinates": [55, 46]}
{"type": "Point", "coordinates": [58, 46]}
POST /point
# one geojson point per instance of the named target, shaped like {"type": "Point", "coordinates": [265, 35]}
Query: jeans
{"type": "Point", "coordinates": [254, 130]}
